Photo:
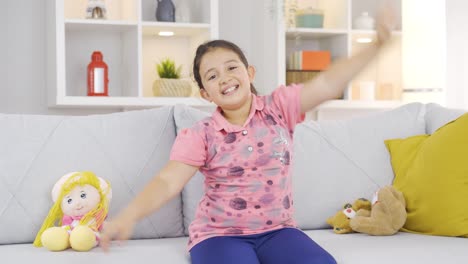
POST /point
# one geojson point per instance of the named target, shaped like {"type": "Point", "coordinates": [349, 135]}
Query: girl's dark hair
{"type": "Point", "coordinates": [211, 45]}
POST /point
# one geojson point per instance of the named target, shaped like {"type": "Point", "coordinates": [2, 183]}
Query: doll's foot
{"type": "Point", "coordinates": [55, 239]}
{"type": "Point", "coordinates": [82, 238]}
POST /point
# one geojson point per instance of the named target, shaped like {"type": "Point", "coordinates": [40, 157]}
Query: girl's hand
{"type": "Point", "coordinates": [120, 228]}
{"type": "Point", "coordinates": [385, 23]}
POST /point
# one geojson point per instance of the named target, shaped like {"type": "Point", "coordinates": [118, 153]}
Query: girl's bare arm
{"type": "Point", "coordinates": [162, 188]}
{"type": "Point", "coordinates": [331, 83]}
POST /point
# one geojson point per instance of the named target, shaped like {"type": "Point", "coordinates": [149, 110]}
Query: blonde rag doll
{"type": "Point", "coordinates": [81, 203]}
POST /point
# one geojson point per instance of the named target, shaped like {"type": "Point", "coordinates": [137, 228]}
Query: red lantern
{"type": "Point", "coordinates": [97, 76]}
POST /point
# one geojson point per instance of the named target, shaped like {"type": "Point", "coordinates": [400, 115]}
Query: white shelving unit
{"type": "Point", "coordinates": [129, 41]}
{"type": "Point", "coordinates": [267, 43]}
{"type": "Point", "coordinates": [339, 36]}
{"type": "Point", "coordinates": [344, 109]}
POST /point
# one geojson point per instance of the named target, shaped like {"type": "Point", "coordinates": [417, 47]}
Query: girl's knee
{"type": "Point", "coordinates": [324, 258]}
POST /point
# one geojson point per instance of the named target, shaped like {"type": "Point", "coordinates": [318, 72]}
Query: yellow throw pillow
{"type": "Point", "coordinates": [432, 173]}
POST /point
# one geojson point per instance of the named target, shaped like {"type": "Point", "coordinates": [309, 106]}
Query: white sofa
{"type": "Point", "coordinates": [334, 162]}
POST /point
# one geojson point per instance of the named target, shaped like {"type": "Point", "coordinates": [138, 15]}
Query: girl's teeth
{"type": "Point", "coordinates": [229, 90]}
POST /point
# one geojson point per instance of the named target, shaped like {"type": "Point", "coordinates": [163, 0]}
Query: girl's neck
{"type": "Point", "coordinates": [240, 115]}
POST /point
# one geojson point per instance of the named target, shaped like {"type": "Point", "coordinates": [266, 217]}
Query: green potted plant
{"type": "Point", "coordinates": [169, 83]}
{"type": "Point", "coordinates": [167, 69]}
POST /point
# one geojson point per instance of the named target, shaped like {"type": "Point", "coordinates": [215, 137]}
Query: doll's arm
{"type": "Point", "coordinates": [67, 222]}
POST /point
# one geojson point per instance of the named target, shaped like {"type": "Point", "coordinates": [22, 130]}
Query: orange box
{"type": "Point", "coordinates": [315, 60]}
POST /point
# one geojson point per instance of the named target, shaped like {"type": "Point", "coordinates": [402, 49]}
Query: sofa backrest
{"type": "Point", "coordinates": [127, 149]}
{"type": "Point", "coordinates": [186, 117]}
{"type": "Point", "coordinates": [437, 116]}
{"type": "Point", "coordinates": [337, 162]}
{"type": "Point", "coordinates": [334, 162]}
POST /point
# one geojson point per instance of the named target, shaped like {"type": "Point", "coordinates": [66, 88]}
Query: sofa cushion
{"type": "Point", "coordinates": [437, 116]}
{"type": "Point", "coordinates": [192, 193]}
{"type": "Point", "coordinates": [127, 149]}
{"type": "Point", "coordinates": [432, 173]}
{"type": "Point", "coordinates": [336, 162]}
{"type": "Point", "coordinates": [401, 248]}
{"type": "Point", "coordinates": [162, 250]}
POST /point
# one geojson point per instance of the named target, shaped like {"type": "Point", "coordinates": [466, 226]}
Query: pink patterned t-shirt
{"type": "Point", "coordinates": [246, 168]}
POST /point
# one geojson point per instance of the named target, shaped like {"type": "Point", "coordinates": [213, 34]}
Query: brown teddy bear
{"type": "Point", "coordinates": [384, 216]}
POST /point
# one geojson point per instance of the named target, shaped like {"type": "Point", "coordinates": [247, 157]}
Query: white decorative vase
{"type": "Point", "coordinates": [182, 11]}
{"type": "Point", "coordinates": [364, 21]}
{"type": "Point", "coordinates": [367, 91]}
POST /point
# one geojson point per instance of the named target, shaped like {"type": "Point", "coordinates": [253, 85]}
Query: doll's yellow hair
{"type": "Point", "coordinates": [98, 214]}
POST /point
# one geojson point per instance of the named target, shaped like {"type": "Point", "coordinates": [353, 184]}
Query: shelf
{"type": "Point", "coordinates": [360, 104]}
{"type": "Point", "coordinates": [346, 109]}
{"type": "Point", "coordinates": [129, 41]}
{"type": "Point", "coordinates": [384, 72]}
{"type": "Point", "coordinates": [372, 32]}
{"type": "Point", "coordinates": [314, 33]}
{"type": "Point", "coordinates": [335, 41]}
{"type": "Point", "coordinates": [179, 29]}
{"type": "Point", "coordinates": [122, 10]}
{"type": "Point", "coordinates": [371, 6]}
{"type": "Point", "coordinates": [119, 46]}
{"type": "Point", "coordinates": [98, 25]}
{"type": "Point", "coordinates": [112, 102]}
{"type": "Point", "coordinates": [99, 22]}
{"type": "Point", "coordinates": [201, 11]}
{"type": "Point", "coordinates": [320, 33]}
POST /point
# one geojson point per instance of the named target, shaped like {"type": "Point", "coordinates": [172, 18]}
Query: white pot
{"type": "Point", "coordinates": [367, 91]}
{"type": "Point", "coordinates": [364, 21]}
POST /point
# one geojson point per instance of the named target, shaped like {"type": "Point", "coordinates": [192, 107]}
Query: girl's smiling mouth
{"type": "Point", "coordinates": [230, 90]}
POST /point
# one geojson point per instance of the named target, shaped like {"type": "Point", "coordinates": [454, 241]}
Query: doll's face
{"type": "Point", "coordinates": [80, 200]}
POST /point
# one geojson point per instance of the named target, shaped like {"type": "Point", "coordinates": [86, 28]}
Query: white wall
{"type": "Point", "coordinates": [457, 54]}
{"type": "Point", "coordinates": [252, 24]}
{"type": "Point", "coordinates": [22, 60]}
{"type": "Point", "coordinates": [236, 20]}
{"type": "Point", "coordinates": [22, 53]}
{"type": "Point", "coordinates": [22, 56]}
{"type": "Point", "coordinates": [424, 51]}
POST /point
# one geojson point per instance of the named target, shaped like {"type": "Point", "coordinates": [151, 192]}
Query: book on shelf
{"type": "Point", "coordinates": [309, 60]}
{"type": "Point", "coordinates": [297, 76]}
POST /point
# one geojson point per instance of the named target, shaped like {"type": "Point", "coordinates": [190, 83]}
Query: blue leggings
{"type": "Point", "coordinates": [287, 245]}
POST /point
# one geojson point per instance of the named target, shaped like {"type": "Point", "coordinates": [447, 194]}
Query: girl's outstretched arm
{"type": "Point", "coordinates": [331, 83]}
{"type": "Point", "coordinates": [162, 188]}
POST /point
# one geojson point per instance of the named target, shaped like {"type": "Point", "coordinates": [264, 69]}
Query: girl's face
{"type": "Point", "coordinates": [80, 200]}
{"type": "Point", "coordinates": [226, 80]}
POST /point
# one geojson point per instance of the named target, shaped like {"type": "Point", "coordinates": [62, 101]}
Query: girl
{"type": "Point", "coordinates": [244, 151]}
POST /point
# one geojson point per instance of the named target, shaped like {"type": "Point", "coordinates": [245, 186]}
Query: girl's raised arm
{"type": "Point", "coordinates": [331, 83]}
